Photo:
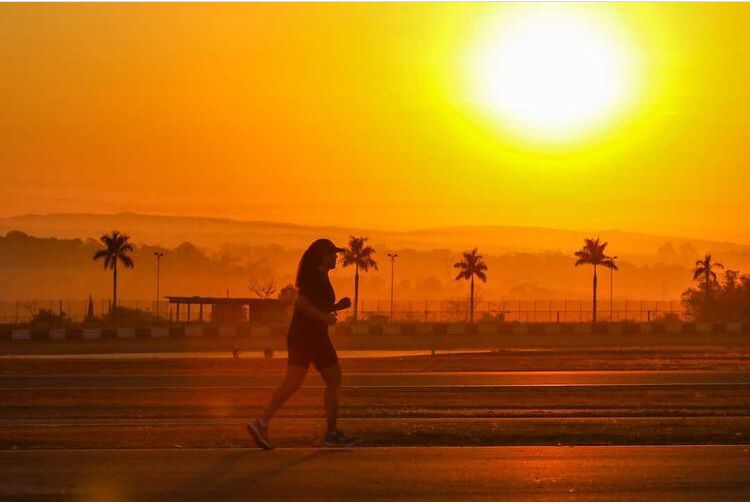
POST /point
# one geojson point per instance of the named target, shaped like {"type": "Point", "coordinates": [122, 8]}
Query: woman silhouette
{"type": "Point", "coordinates": [308, 342]}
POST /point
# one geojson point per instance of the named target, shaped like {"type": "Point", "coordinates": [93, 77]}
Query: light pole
{"type": "Point", "coordinates": [612, 287]}
{"type": "Point", "coordinates": [392, 256]}
{"type": "Point", "coordinates": [158, 254]}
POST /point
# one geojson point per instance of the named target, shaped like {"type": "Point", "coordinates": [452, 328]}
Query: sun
{"type": "Point", "coordinates": [552, 75]}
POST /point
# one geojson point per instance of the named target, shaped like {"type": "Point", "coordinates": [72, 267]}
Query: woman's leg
{"type": "Point", "coordinates": [295, 376]}
{"type": "Point", "coordinates": [332, 377]}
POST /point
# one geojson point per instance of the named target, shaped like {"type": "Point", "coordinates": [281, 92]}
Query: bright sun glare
{"type": "Point", "coordinates": [551, 75]}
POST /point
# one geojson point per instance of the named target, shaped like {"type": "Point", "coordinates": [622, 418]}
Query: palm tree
{"type": "Point", "coordinates": [704, 272]}
{"type": "Point", "coordinates": [471, 265]}
{"type": "Point", "coordinates": [116, 249]}
{"type": "Point", "coordinates": [592, 253]}
{"type": "Point", "coordinates": [358, 254]}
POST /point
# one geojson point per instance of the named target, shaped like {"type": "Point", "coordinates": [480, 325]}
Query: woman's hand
{"type": "Point", "coordinates": [331, 319]}
{"type": "Point", "coordinates": [344, 303]}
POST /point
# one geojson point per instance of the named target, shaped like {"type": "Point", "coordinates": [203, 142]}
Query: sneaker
{"type": "Point", "coordinates": [258, 429]}
{"type": "Point", "coordinates": [338, 439]}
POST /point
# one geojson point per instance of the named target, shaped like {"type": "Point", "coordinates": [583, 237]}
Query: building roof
{"type": "Point", "coordinates": [219, 300]}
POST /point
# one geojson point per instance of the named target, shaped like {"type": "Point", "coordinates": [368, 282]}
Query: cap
{"type": "Point", "coordinates": [326, 244]}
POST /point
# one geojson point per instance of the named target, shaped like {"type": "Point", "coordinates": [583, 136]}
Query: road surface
{"type": "Point", "coordinates": [656, 473]}
{"type": "Point", "coordinates": [399, 380]}
{"type": "Point", "coordinates": [209, 409]}
{"type": "Point", "coordinates": [613, 425]}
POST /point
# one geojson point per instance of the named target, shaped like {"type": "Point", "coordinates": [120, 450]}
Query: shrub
{"type": "Point", "coordinates": [48, 318]}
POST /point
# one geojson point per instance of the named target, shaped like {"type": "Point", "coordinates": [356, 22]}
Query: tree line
{"type": "Point", "coordinates": [710, 299]}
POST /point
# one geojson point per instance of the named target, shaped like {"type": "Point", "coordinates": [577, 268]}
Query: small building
{"type": "Point", "coordinates": [227, 310]}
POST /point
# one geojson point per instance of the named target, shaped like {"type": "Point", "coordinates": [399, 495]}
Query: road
{"type": "Point", "coordinates": [398, 380]}
{"type": "Point", "coordinates": [421, 343]}
{"type": "Point", "coordinates": [656, 473]}
{"type": "Point", "coordinates": [549, 425]}
{"type": "Point", "coordinates": [203, 408]}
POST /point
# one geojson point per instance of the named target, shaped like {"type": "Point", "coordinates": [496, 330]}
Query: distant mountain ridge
{"type": "Point", "coordinates": [213, 233]}
{"type": "Point", "coordinates": [51, 257]}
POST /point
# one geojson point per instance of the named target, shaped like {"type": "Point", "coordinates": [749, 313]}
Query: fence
{"type": "Point", "coordinates": [21, 311]}
{"type": "Point", "coordinates": [550, 311]}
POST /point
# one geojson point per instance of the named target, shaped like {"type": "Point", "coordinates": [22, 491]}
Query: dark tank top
{"type": "Point", "coordinates": [317, 289]}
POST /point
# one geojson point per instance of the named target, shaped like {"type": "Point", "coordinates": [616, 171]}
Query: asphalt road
{"type": "Point", "coordinates": [656, 473]}
{"type": "Point", "coordinates": [433, 429]}
{"type": "Point", "coordinates": [387, 379]}
{"type": "Point", "coordinates": [385, 408]}
{"type": "Point", "coordinates": [708, 340]}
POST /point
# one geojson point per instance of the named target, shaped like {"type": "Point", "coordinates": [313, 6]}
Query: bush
{"type": "Point", "coordinates": [48, 318]}
{"type": "Point", "coordinates": [729, 301]}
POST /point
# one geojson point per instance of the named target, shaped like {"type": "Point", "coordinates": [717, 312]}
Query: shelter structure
{"type": "Point", "coordinates": [227, 310]}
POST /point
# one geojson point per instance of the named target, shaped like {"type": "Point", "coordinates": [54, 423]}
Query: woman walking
{"type": "Point", "coordinates": [308, 342]}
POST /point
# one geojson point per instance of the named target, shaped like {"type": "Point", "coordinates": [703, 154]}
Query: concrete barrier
{"type": "Point", "coordinates": [193, 331]}
{"type": "Point", "coordinates": [57, 334]}
{"type": "Point", "coordinates": [456, 329]}
{"type": "Point", "coordinates": [519, 329]}
{"type": "Point", "coordinates": [226, 331]}
{"type": "Point", "coordinates": [126, 333]}
{"type": "Point", "coordinates": [392, 329]}
{"type": "Point", "coordinates": [673, 327]}
{"type": "Point", "coordinates": [614, 328]}
{"type": "Point", "coordinates": [261, 331]}
{"type": "Point", "coordinates": [159, 332]}
{"type": "Point", "coordinates": [734, 327]}
{"type": "Point", "coordinates": [424, 329]}
{"type": "Point", "coordinates": [22, 334]}
{"type": "Point", "coordinates": [92, 333]}
{"type": "Point", "coordinates": [704, 327]}
{"type": "Point", "coordinates": [487, 329]}
{"type": "Point", "coordinates": [582, 328]}
{"type": "Point", "coordinates": [359, 328]}
{"type": "Point", "coordinates": [551, 328]}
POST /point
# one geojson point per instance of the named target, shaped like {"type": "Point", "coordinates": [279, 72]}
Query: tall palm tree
{"type": "Point", "coordinates": [592, 253]}
{"type": "Point", "coordinates": [704, 272]}
{"type": "Point", "coordinates": [116, 249]}
{"type": "Point", "coordinates": [359, 254]}
{"type": "Point", "coordinates": [472, 265]}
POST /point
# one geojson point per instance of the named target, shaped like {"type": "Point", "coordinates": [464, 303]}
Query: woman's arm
{"type": "Point", "coordinates": [309, 310]}
{"type": "Point", "coordinates": [342, 304]}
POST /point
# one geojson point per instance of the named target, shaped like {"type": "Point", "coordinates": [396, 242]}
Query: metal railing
{"type": "Point", "coordinates": [22, 311]}
{"type": "Point", "coordinates": [548, 311]}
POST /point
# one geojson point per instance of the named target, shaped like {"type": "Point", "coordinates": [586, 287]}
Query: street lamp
{"type": "Point", "coordinates": [392, 256]}
{"type": "Point", "coordinates": [158, 254]}
{"type": "Point", "coordinates": [612, 287]}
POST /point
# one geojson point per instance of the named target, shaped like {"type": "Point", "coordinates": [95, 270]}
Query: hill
{"type": "Point", "coordinates": [214, 233]}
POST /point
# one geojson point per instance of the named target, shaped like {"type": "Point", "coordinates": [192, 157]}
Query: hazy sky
{"type": "Point", "coordinates": [367, 115]}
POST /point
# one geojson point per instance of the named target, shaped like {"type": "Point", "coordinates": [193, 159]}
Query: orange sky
{"type": "Point", "coordinates": [360, 115]}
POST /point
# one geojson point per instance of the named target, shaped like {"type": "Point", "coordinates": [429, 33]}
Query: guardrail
{"type": "Point", "coordinates": [357, 329]}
